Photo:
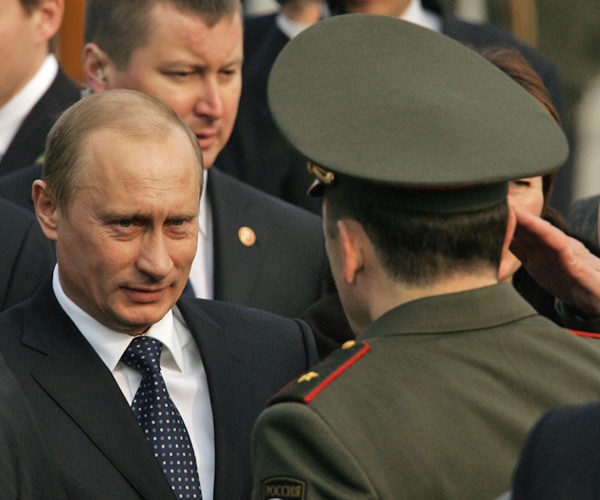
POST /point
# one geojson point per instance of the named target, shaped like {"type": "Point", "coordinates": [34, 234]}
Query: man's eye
{"type": "Point", "coordinates": [180, 74]}
{"type": "Point", "coordinates": [125, 223]}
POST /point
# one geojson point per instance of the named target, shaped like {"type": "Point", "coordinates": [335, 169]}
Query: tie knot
{"type": "Point", "coordinates": [143, 354]}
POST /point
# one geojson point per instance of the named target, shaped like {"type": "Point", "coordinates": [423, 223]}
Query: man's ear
{"type": "Point", "coordinates": [49, 15]}
{"type": "Point", "coordinates": [45, 208]}
{"type": "Point", "coordinates": [96, 65]}
{"type": "Point", "coordinates": [350, 236]}
{"type": "Point", "coordinates": [506, 263]}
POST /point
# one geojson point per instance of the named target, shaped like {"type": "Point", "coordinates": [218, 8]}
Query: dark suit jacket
{"type": "Point", "coordinates": [258, 154]}
{"type": "Point", "coordinates": [283, 272]}
{"type": "Point", "coordinates": [26, 258]}
{"type": "Point", "coordinates": [30, 141]}
{"type": "Point", "coordinates": [24, 470]}
{"type": "Point", "coordinates": [561, 459]}
{"type": "Point", "coordinates": [90, 430]}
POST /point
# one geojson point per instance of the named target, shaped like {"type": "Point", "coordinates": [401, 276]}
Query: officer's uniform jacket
{"type": "Point", "coordinates": [434, 400]}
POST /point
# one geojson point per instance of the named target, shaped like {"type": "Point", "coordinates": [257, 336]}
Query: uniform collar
{"type": "Point", "coordinates": [476, 309]}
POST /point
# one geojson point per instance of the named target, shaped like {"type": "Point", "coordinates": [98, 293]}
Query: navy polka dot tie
{"type": "Point", "coordinates": [160, 420]}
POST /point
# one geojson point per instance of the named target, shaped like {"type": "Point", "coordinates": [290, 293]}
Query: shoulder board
{"type": "Point", "coordinates": [308, 386]}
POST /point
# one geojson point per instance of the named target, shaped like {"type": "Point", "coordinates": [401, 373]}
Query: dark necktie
{"type": "Point", "coordinates": [160, 420]}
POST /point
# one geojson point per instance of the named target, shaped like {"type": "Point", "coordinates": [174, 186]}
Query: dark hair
{"type": "Point", "coordinates": [121, 26]}
{"type": "Point", "coordinates": [416, 247]}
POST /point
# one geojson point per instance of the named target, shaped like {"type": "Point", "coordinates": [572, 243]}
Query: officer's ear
{"type": "Point", "coordinates": [46, 209]}
{"type": "Point", "coordinates": [352, 240]}
{"type": "Point", "coordinates": [507, 260]}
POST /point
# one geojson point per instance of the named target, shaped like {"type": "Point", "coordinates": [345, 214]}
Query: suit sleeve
{"type": "Point", "coordinates": [295, 451]}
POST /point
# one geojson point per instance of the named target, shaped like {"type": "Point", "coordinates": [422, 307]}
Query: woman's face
{"type": "Point", "coordinates": [526, 194]}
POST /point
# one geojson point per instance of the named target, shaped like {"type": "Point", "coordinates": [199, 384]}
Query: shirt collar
{"type": "Point", "coordinates": [476, 309]}
{"type": "Point", "coordinates": [110, 345]}
{"type": "Point", "coordinates": [415, 13]}
{"type": "Point", "coordinates": [203, 217]}
{"type": "Point", "coordinates": [14, 112]}
{"type": "Point", "coordinates": [291, 28]}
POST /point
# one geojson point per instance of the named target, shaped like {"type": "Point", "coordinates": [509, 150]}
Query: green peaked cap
{"type": "Point", "coordinates": [374, 98]}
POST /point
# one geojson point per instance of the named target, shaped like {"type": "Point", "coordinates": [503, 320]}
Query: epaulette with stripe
{"type": "Point", "coordinates": [308, 386]}
{"type": "Point", "coordinates": [591, 335]}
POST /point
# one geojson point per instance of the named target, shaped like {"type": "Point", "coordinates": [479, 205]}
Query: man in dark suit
{"type": "Point", "coordinates": [254, 249]}
{"type": "Point", "coordinates": [24, 468]}
{"type": "Point", "coordinates": [258, 154]}
{"type": "Point", "coordinates": [27, 256]}
{"type": "Point", "coordinates": [33, 89]}
{"type": "Point", "coordinates": [119, 196]}
{"type": "Point", "coordinates": [450, 367]}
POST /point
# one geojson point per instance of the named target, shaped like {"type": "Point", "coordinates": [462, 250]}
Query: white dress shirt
{"type": "Point", "coordinates": [292, 28]}
{"type": "Point", "coordinates": [415, 13]}
{"type": "Point", "coordinates": [14, 112]}
{"type": "Point", "coordinates": [181, 367]}
{"type": "Point", "coordinates": [202, 274]}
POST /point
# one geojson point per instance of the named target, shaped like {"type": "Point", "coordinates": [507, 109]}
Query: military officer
{"type": "Point", "coordinates": [413, 139]}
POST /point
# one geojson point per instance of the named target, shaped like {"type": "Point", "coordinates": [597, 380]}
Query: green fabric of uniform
{"type": "Point", "coordinates": [438, 408]}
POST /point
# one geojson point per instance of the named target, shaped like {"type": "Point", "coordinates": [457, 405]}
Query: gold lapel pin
{"type": "Point", "coordinates": [247, 236]}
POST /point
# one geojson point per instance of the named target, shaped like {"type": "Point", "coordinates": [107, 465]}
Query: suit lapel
{"type": "Point", "coordinates": [79, 382]}
{"type": "Point", "coordinates": [236, 266]}
{"type": "Point", "coordinates": [229, 385]}
{"type": "Point", "coordinates": [29, 142]}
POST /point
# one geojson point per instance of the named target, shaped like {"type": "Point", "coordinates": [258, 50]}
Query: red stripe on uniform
{"type": "Point", "coordinates": [343, 367]}
{"type": "Point", "coordinates": [585, 334]}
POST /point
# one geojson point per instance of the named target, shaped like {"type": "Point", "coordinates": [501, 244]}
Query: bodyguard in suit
{"type": "Point", "coordinates": [33, 89]}
{"type": "Point", "coordinates": [27, 257]}
{"type": "Point", "coordinates": [119, 196]}
{"type": "Point", "coordinates": [451, 367]}
{"type": "Point", "coordinates": [254, 250]}
{"type": "Point", "coordinates": [257, 147]}
{"type": "Point", "coordinates": [257, 153]}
